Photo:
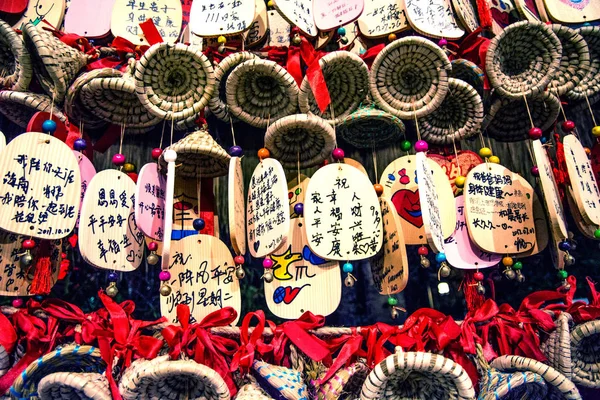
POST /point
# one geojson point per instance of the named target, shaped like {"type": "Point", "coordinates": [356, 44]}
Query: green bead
{"type": "Point", "coordinates": [405, 145]}
{"type": "Point", "coordinates": [392, 301]}
{"type": "Point", "coordinates": [518, 265]}
{"type": "Point", "coordinates": [597, 233]}
{"type": "Point", "coordinates": [563, 274]}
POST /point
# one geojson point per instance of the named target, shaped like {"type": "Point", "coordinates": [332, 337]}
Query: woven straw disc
{"type": "Point", "coordinates": [585, 351]}
{"type": "Point", "coordinates": [458, 117]}
{"type": "Point", "coordinates": [199, 156]}
{"type": "Point", "coordinates": [370, 128]}
{"type": "Point", "coordinates": [251, 391]}
{"type": "Point", "coordinates": [523, 59]}
{"type": "Point", "coordinates": [15, 64]}
{"type": "Point", "coordinates": [346, 383]}
{"type": "Point", "coordinates": [590, 83]}
{"type": "Point", "coordinates": [260, 90]}
{"type": "Point", "coordinates": [574, 63]}
{"type": "Point", "coordinates": [68, 385]}
{"type": "Point", "coordinates": [218, 101]}
{"type": "Point", "coordinates": [409, 77]}
{"type": "Point", "coordinates": [508, 121]}
{"type": "Point", "coordinates": [174, 82]}
{"type": "Point", "coordinates": [162, 378]}
{"type": "Point", "coordinates": [55, 64]}
{"type": "Point", "coordinates": [347, 79]}
{"type": "Point", "coordinates": [417, 375]}
{"type": "Point", "coordinates": [558, 345]}
{"type": "Point", "coordinates": [302, 138]}
{"type": "Point", "coordinates": [19, 107]}
{"type": "Point", "coordinates": [469, 72]}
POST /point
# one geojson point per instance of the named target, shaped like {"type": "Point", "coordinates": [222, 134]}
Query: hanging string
{"type": "Point", "coordinates": [374, 158]}
{"type": "Point", "coordinates": [333, 124]}
{"type": "Point", "coordinates": [416, 120]}
{"type": "Point", "coordinates": [172, 126]}
{"type": "Point", "coordinates": [562, 110]}
{"type": "Point", "coordinates": [162, 134]}
{"type": "Point", "coordinates": [298, 167]}
{"type": "Point", "coordinates": [528, 111]}
{"type": "Point", "coordinates": [530, 152]}
{"type": "Point", "coordinates": [232, 132]}
{"type": "Point", "coordinates": [590, 108]}
{"type": "Point", "coordinates": [456, 154]}
{"type": "Point", "coordinates": [199, 190]}
{"type": "Point", "coordinates": [52, 106]}
{"type": "Point", "coordinates": [121, 140]}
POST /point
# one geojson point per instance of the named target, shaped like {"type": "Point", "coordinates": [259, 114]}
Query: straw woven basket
{"type": "Point", "coordinates": [469, 72]}
{"type": "Point", "coordinates": [162, 378]}
{"type": "Point", "coordinates": [523, 59]}
{"type": "Point", "coordinates": [347, 79]}
{"type": "Point", "coordinates": [590, 83]}
{"type": "Point", "coordinates": [559, 386]}
{"type": "Point", "coordinates": [55, 64]}
{"type": "Point", "coordinates": [300, 139]}
{"type": "Point", "coordinates": [251, 391]}
{"type": "Point", "coordinates": [585, 350]}
{"type": "Point", "coordinates": [70, 385]}
{"type": "Point", "coordinates": [218, 101]}
{"type": "Point", "coordinates": [508, 121]}
{"type": "Point", "coordinates": [346, 383]}
{"type": "Point", "coordinates": [417, 375]}
{"type": "Point", "coordinates": [574, 63]}
{"type": "Point", "coordinates": [174, 82]}
{"type": "Point", "coordinates": [458, 117]}
{"type": "Point", "coordinates": [15, 63]}
{"type": "Point", "coordinates": [409, 77]}
{"type": "Point", "coordinates": [19, 107]}
{"type": "Point", "coordinates": [558, 345]}
{"type": "Point", "coordinates": [280, 382]}
{"type": "Point", "coordinates": [370, 128]}
{"type": "Point", "coordinates": [259, 91]}
{"type": "Point", "coordinates": [4, 361]}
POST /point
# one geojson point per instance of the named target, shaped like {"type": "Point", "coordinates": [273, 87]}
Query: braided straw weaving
{"type": "Point", "coordinates": [19, 107]}
{"type": "Point", "coordinates": [72, 385]}
{"type": "Point", "coordinates": [590, 83]}
{"type": "Point", "coordinates": [558, 345]}
{"type": "Point", "coordinates": [574, 63]}
{"type": "Point", "coordinates": [15, 63]}
{"type": "Point", "coordinates": [369, 128]}
{"type": "Point", "coordinates": [469, 72]}
{"type": "Point", "coordinates": [346, 383]}
{"type": "Point", "coordinates": [585, 350]}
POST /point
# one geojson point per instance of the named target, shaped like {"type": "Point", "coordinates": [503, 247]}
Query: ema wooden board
{"type": "Point", "coordinates": [259, 27]}
{"type": "Point", "coordinates": [433, 18]}
{"type": "Point", "coordinates": [150, 197]}
{"type": "Point", "coordinates": [52, 11]}
{"type": "Point", "coordinates": [89, 18]}
{"type": "Point", "coordinates": [573, 11]}
{"type": "Point", "coordinates": [431, 207]}
{"type": "Point", "coordinates": [382, 17]}
{"type": "Point", "coordinates": [299, 13]}
{"type": "Point", "coordinates": [236, 206]}
{"type": "Point", "coordinates": [86, 173]}
{"type": "Point", "coordinates": [127, 15]}
{"type": "Point", "coordinates": [216, 17]}
{"type": "Point", "coordinates": [583, 181]}
{"type": "Point", "coordinates": [335, 13]}
{"type": "Point", "coordinates": [466, 14]}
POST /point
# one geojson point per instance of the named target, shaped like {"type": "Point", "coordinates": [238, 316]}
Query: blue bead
{"type": "Point", "coordinates": [236, 151]}
{"type": "Point", "coordinates": [348, 268]}
{"type": "Point", "coordinates": [113, 277]}
{"type": "Point", "coordinates": [543, 140]}
{"type": "Point", "coordinates": [199, 224]}
{"type": "Point", "coordinates": [80, 144]}
{"type": "Point", "coordinates": [49, 126]}
{"type": "Point", "coordinates": [440, 257]}
{"type": "Point", "coordinates": [564, 245]}
{"type": "Point", "coordinates": [341, 31]}
{"type": "Point", "coordinates": [38, 297]}
{"type": "Point", "coordinates": [299, 209]}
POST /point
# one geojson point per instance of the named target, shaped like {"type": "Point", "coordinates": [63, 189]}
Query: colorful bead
{"type": "Point", "coordinates": [170, 155]}
{"type": "Point", "coordinates": [152, 259]}
{"type": "Point", "coordinates": [348, 268]}
{"type": "Point", "coordinates": [118, 159]}
{"type": "Point", "coordinates": [507, 261]}
{"type": "Point", "coordinates": [562, 274]}
{"type": "Point", "coordinates": [236, 151]}
{"type": "Point", "coordinates": [38, 297]}
{"type": "Point", "coordinates": [49, 126]}
{"type": "Point", "coordinates": [535, 171]}
{"type": "Point", "coordinates": [338, 154]}
{"type": "Point", "coordinates": [152, 246]}
{"type": "Point", "coordinates": [460, 181]}
{"type": "Point", "coordinates": [198, 224]}
{"type": "Point", "coordinates": [264, 153]}
{"type": "Point", "coordinates": [164, 275]}
{"type": "Point", "coordinates": [564, 245]}
{"type": "Point", "coordinates": [222, 39]}
{"type": "Point", "coordinates": [568, 126]}
{"type": "Point", "coordinates": [518, 265]}
{"type": "Point", "coordinates": [270, 3]}
{"type": "Point", "coordinates": [28, 244]}
{"type": "Point", "coordinates": [392, 301]}
{"type": "Point", "coordinates": [494, 159]}
{"type": "Point", "coordinates": [113, 277]}
{"type": "Point", "coordinates": [544, 139]}
{"type": "Point", "coordinates": [341, 31]}
{"type": "Point", "coordinates": [485, 152]}
{"type": "Point", "coordinates": [17, 303]}
{"type": "Point", "coordinates": [478, 276]}
{"type": "Point", "coordinates": [440, 258]}
{"type": "Point", "coordinates": [267, 263]}
{"type": "Point", "coordinates": [80, 144]}
{"type": "Point", "coordinates": [378, 189]}
{"type": "Point", "coordinates": [392, 37]}
{"type": "Point", "coordinates": [297, 40]}
{"type": "Point", "coordinates": [587, 151]}
{"type": "Point", "coordinates": [535, 133]}
{"type": "Point", "coordinates": [156, 152]}
{"type": "Point", "coordinates": [405, 145]}
{"type": "Point", "coordinates": [239, 260]}
{"type": "Point", "coordinates": [443, 42]}
{"type": "Point", "coordinates": [423, 251]}
{"type": "Point", "coordinates": [133, 176]}
{"type": "Point", "coordinates": [128, 167]}
{"type": "Point", "coordinates": [596, 131]}
{"type": "Point", "coordinates": [421, 146]}
{"type": "Point", "coordinates": [597, 233]}
{"type": "Point", "coordinates": [299, 209]}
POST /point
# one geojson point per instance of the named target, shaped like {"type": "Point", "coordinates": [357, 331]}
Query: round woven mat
{"type": "Point", "coordinates": [174, 82]}
{"type": "Point", "coordinates": [417, 375]}
{"type": "Point", "coordinates": [162, 378]}
{"type": "Point", "coordinates": [259, 91]}
{"type": "Point", "coordinates": [458, 117]}
{"type": "Point", "coordinates": [585, 352]}
{"type": "Point", "coordinates": [409, 77]}
{"type": "Point", "coordinates": [370, 128]}
{"type": "Point", "coordinates": [55, 64]}
{"type": "Point", "coordinates": [508, 121]}
{"type": "Point", "coordinates": [523, 59]}
{"type": "Point", "coordinates": [198, 155]}
{"type": "Point", "coordinates": [218, 101]}
{"type": "Point", "coordinates": [347, 79]}
{"type": "Point", "coordinates": [15, 63]}
{"type": "Point", "coordinates": [346, 383]}
{"type": "Point", "coordinates": [574, 63]}
{"type": "Point", "coordinates": [300, 138]}
{"type": "Point", "coordinates": [71, 385]}
{"type": "Point", "coordinates": [19, 107]}
{"type": "Point", "coordinates": [590, 83]}
{"type": "Point", "coordinates": [469, 72]}
{"type": "Point", "coordinates": [557, 347]}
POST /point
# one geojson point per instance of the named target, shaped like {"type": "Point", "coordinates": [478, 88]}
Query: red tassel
{"type": "Point", "coordinates": [485, 15]}
{"type": "Point", "coordinates": [42, 277]}
{"type": "Point", "coordinates": [473, 299]}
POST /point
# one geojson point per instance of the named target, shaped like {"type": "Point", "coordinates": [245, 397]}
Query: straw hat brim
{"type": "Point", "coordinates": [557, 347]}
{"type": "Point", "coordinates": [370, 128]}
{"type": "Point", "coordinates": [70, 385]}
{"type": "Point", "coordinates": [585, 347]}
{"type": "Point", "coordinates": [19, 107]}
{"type": "Point", "coordinates": [590, 83]}
{"type": "Point", "coordinates": [15, 63]}
{"type": "Point", "coordinates": [574, 63]}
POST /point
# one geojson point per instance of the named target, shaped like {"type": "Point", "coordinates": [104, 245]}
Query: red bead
{"type": "Point", "coordinates": [423, 251]}
{"type": "Point", "coordinates": [17, 303]}
{"type": "Point", "coordinates": [535, 133]}
{"type": "Point", "coordinates": [156, 153]}
{"type": "Point", "coordinates": [338, 154]}
{"type": "Point", "coordinates": [478, 276]}
{"type": "Point", "coordinates": [152, 246]}
{"type": "Point", "coordinates": [568, 126]}
{"type": "Point", "coordinates": [239, 260]}
{"type": "Point", "coordinates": [28, 244]}
{"type": "Point", "coordinates": [118, 159]}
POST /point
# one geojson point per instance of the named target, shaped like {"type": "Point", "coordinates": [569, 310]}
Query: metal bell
{"type": "Point", "coordinates": [152, 259]}
{"type": "Point", "coordinates": [480, 289]}
{"type": "Point", "coordinates": [349, 281]}
{"type": "Point", "coordinates": [26, 260]}
{"type": "Point", "coordinates": [297, 40]}
{"type": "Point", "coordinates": [395, 313]}
{"type": "Point", "coordinates": [240, 273]}
{"type": "Point", "coordinates": [566, 286]}
{"type": "Point", "coordinates": [112, 290]}
{"type": "Point", "coordinates": [520, 277]}
{"type": "Point", "coordinates": [425, 262]}
{"type": "Point", "coordinates": [221, 49]}
{"type": "Point", "coordinates": [569, 260]}
{"type": "Point", "coordinates": [445, 270]}
{"type": "Point", "coordinates": [509, 273]}
{"type": "Point", "coordinates": [165, 290]}
{"type": "Point", "coordinates": [268, 277]}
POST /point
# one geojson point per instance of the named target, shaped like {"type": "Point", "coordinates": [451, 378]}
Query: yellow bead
{"type": "Point", "coordinates": [596, 131]}
{"type": "Point", "coordinates": [392, 37]}
{"type": "Point", "coordinates": [222, 39]}
{"type": "Point", "coordinates": [507, 261]}
{"type": "Point", "coordinates": [128, 167]}
{"type": "Point", "coordinates": [460, 181]}
{"type": "Point", "coordinates": [485, 152]}
{"type": "Point", "coordinates": [494, 159]}
{"type": "Point", "coordinates": [270, 3]}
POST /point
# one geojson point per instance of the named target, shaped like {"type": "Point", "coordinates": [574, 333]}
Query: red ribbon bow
{"type": "Point", "coordinates": [349, 347]}
{"type": "Point", "coordinates": [70, 315]}
{"type": "Point", "coordinates": [580, 311]}
{"type": "Point", "coordinates": [251, 343]}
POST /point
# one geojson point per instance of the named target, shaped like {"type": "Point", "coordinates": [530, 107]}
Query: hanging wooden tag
{"type": "Point", "coordinates": [433, 18]}
{"type": "Point", "coordinates": [541, 227]}
{"type": "Point", "coordinates": [499, 210]}
{"type": "Point", "coordinates": [86, 173]}
{"type": "Point", "coordinates": [390, 266]}
{"type": "Point", "coordinates": [432, 210]}
{"type": "Point", "coordinates": [150, 201]}
{"type": "Point", "coordinates": [399, 180]}
{"type": "Point", "coordinates": [299, 13]}
{"type": "Point", "coordinates": [268, 217]}
{"type": "Point", "coordinates": [279, 29]}
{"type": "Point", "coordinates": [549, 189]}
{"type": "Point", "coordinates": [583, 181]}
{"type": "Point", "coordinates": [52, 11]}
{"type": "Point", "coordinates": [2, 141]}
{"type": "Point", "coordinates": [466, 14]}
{"type": "Point", "coordinates": [108, 233]}
{"type": "Point", "coordinates": [382, 17]}
{"type": "Point", "coordinates": [40, 187]}
{"type": "Point", "coordinates": [573, 11]}
{"type": "Point", "coordinates": [214, 18]}
{"type": "Point", "coordinates": [202, 276]}
{"type": "Point", "coordinates": [302, 280]}
{"type": "Point", "coordinates": [185, 207]}
{"type": "Point", "coordinates": [541, 8]}
{"type": "Point", "coordinates": [335, 13]}
{"type": "Point", "coordinates": [127, 15]}
{"type": "Point", "coordinates": [296, 193]}
{"type": "Point", "coordinates": [527, 10]}
{"type": "Point", "coordinates": [260, 26]}
{"type": "Point", "coordinates": [89, 18]}
{"type": "Point", "coordinates": [236, 206]}
{"type": "Point", "coordinates": [501, 11]}
{"type": "Point", "coordinates": [343, 219]}
{"type": "Point", "coordinates": [454, 166]}
{"type": "Point", "coordinates": [355, 164]}
{"type": "Point", "coordinates": [586, 229]}
{"type": "Point", "coordinates": [460, 250]}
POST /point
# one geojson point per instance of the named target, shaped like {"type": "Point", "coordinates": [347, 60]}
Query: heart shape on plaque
{"type": "Point", "coordinates": [286, 294]}
{"type": "Point", "coordinates": [577, 4]}
{"type": "Point", "coordinates": [408, 206]}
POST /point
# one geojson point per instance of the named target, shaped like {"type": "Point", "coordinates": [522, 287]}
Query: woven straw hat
{"type": "Point", "coordinates": [458, 117]}
{"type": "Point", "coordinates": [70, 385]}
{"type": "Point", "coordinates": [218, 101]}
{"type": "Point", "coordinates": [72, 358]}
{"type": "Point", "coordinates": [575, 61]}
{"type": "Point", "coordinates": [19, 107]}
{"type": "Point", "coordinates": [174, 82]}
{"type": "Point", "coordinates": [280, 382]}
{"type": "Point", "coordinates": [508, 121]}
{"type": "Point", "coordinates": [585, 348]}
{"type": "Point", "coordinates": [417, 375]}
{"type": "Point", "coordinates": [259, 91]}
{"type": "Point", "coordinates": [346, 383]}
{"type": "Point", "coordinates": [199, 156]}
{"type": "Point", "coordinates": [559, 386]}
{"type": "Point", "coordinates": [469, 72]}
{"type": "Point", "coordinates": [557, 347]}
{"type": "Point", "coordinates": [55, 64]}
{"type": "Point", "coordinates": [15, 64]}
{"type": "Point", "coordinates": [4, 361]}
{"type": "Point", "coordinates": [300, 138]}
{"type": "Point", "coordinates": [347, 79]}
{"type": "Point", "coordinates": [409, 77]}
{"type": "Point", "coordinates": [162, 378]}
{"type": "Point", "coordinates": [251, 391]}
{"type": "Point", "coordinates": [590, 83]}
{"type": "Point", "coordinates": [370, 128]}
{"type": "Point", "coordinates": [523, 59]}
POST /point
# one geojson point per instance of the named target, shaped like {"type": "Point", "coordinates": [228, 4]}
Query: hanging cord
{"type": "Point", "coordinates": [456, 156]}
{"type": "Point", "coordinates": [162, 134]}
{"type": "Point", "coordinates": [416, 120]}
{"type": "Point", "coordinates": [52, 106]}
{"type": "Point", "coordinates": [232, 132]}
{"type": "Point", "coordinates": [590, 108]}
{"type": "Point", "coordinates": [528, 111]}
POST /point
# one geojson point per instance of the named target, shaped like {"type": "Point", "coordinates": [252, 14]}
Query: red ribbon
{"type": "Point", "coordinates": [369, 56]}
{"type": "Point", "coordinates": [427, 330]}
{"type": "Point", "coordinates": [251, 343]}
{"type": "Point", "coordinates": [580, 311]}
{"type": "Point", "coordinates": [69, 315]}
{"type": "Point", "coordinates": [349, 348]}
{"type": "Point", "coordinates": [150, 32]}
{"type": "Point", "coordinates": [8, 335]}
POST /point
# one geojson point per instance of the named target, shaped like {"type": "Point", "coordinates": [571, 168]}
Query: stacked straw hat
{"type": "Point", "coordinates": [174, 82]}
{"type": "Point", "coordinates": [345, 383]}
{"type": "Point", "coordinates": [68, 385]}
{"type": "Point", "coordinates": [585, 350]}
{"type": "Point", "coordinates": [280, 382]}
{"type": "Point", "coordinates": [347, 78]}
{"type": "Point", "coordinates": [574, 63]}
{"type": "Point", "coordinates": [19, 107]}
{"type": "Point", "coordinates": [557, 347]}
{"type": "Point", "coordinates": [300, 140]}
{"type": "Point", "coordinates": [589, 86]}
{"type": "Point", "coordinates": [523, 59]}
{"type": "Point", "coordinates": [469, 72]}
{"type": "Point", "coordinates": [15, 64]}
{"type": "Point", "coordinates": [370, 127]}
{"type": "Point", "coordinates": [261, 91]}
{"type": "Point", "coordinates": [409, 77]}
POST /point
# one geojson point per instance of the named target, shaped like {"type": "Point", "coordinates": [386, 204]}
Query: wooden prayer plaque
{"type": "Point", "coordinates": [236, 206]}
{"type": "Point", "coordinates": [150, 200]}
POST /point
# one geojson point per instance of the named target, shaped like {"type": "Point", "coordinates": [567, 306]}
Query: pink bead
{"type": "Point", "coordinates": [423, 251]}
{"type": "Point", "coordinates": [338, 154]}
{"type": "Point", "coordinates": [535, 133]}
{"type": "Point", "coordinates": [17, 303]}
{"type": "Point", "coordinates": [152, 246]}
{"type": "Point", "coordinates": [478, 276]}
{"type": "Point", "coordinates": [267, 263]}
{"type": "Point", "coordinates": [568, 126]}
{"type": "Point", "coordinates": [239, 260]}
{"type": "Point", "coordinates": [156, 153]}
{"type": "Point", "coordinates": [164, 275]}
{"type": "Point", "coordinates": [443, 42]}
{"type": "Point", "coordinates": [421, 146]}
{"type": "Point", "coordinates": [535, 171]}
{"type": "Point", "coordinates": [118, 159]}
